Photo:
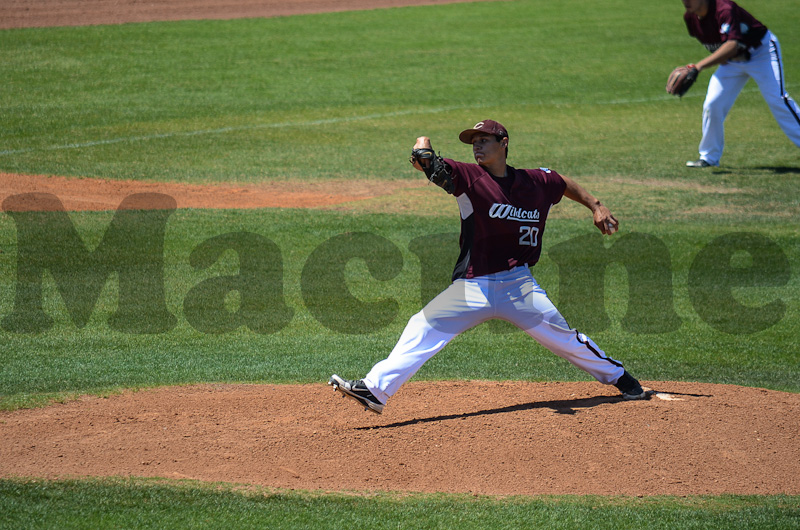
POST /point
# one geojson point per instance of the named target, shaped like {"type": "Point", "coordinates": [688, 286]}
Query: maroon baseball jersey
{"type": "Point", "coordinates": [502, 219]}
{"type": "Point", "coordinates": [725, 21]}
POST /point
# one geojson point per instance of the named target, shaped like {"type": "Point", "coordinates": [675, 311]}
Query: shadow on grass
{"type": "Point", "coordinates": [780, 170]}
{"type": "Point", "coordinates": [727, 170]}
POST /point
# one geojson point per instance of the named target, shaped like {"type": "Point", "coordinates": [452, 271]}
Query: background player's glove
{"type": "Point", "coordinates": [681, 79]}
{"type": "Point", "coordinates": [435, 168]}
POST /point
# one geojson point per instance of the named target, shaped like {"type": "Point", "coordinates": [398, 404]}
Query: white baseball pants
{"type": "Point", "coordinates": [512, 295]}
{"type": "Point", "coordinates": [766, 67]}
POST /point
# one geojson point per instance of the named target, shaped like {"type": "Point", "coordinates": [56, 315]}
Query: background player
{"type": "Point", "coordinates": [744, 48]}
{"type": "Point", "coordinates": [503, 215]}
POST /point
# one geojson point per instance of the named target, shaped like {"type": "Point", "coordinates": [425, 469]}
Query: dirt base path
{"type": "Point", "coordinates": [469, 437]}
{"type": "Point", "coordinates": [81, 194]}
{"type": "Point", "coordinates": [42, 13]}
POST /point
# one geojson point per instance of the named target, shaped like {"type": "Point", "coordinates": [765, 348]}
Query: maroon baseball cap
{"type": "Point", "coordinates": [487, 127]}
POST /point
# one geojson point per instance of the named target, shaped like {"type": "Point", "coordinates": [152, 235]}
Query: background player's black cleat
{"type": "Point", "coordinates": [358, 391]}
{"type": "Point", "coordinates": [698, 163]}
{"type": "Point", "coordinates": [630, 387]}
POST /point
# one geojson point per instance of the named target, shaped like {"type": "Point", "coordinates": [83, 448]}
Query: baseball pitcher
{"type": "Point", "coordinates": [503, 215]}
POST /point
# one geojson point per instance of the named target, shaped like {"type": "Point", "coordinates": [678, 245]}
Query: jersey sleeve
{"type": "Point", "coordinates": [460, 176]}
{"type": "Point", "coordinates": [729, 26]}
{"type": "Point", "coordinates": [690, 25]}
{"type": "Point", "coordinates": [553, 183]}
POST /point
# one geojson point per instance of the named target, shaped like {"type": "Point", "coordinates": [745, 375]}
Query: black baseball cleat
{"type": "Point", "coordinates": [630, 388]}
{"type": "Point", "coordinates": [698, 163]}
{"type": "Point", "coordinates": [358, 391]}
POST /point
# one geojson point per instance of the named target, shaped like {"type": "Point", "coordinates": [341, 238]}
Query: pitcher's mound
{"type": "Point", "coordinates": [511, 438]}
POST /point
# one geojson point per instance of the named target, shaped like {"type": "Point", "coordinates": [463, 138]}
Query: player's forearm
{"type": "Point", "coordinates": [726, 52]}
{"type": "Point", "coordinates": [601, 215]}
{"type": "Point", "coordinates": [577, 193]}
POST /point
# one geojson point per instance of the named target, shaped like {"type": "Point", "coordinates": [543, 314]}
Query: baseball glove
{"type": "Point", "coordinates": [681, 79]}
{"type": "Point", "coordinates": [422, 156]}
{"type": "Point", "coordinates": [435, 168]}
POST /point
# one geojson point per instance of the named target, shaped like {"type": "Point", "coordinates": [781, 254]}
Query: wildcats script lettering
{"type": "Point", "coordinates": [512, 213]}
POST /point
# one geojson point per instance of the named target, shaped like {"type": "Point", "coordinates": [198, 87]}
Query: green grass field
{"type": "Point", "coordinates": [142, 503]}
{"type": "Point", "coordinates": [343, 96]}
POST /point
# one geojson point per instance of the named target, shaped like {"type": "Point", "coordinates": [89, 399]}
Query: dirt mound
{"type": "Point", "coordinates": [481, 437]}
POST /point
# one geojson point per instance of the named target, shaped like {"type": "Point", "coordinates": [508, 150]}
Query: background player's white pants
{"type": "Point", "coordinates": [513, 296]}
{"type": "Point", "coordinates": [766, 68]}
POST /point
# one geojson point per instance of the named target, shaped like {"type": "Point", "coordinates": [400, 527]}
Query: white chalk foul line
{"type": "Point", "coordinates": [222, 130]}
{"type": "Point", "coordinates": [310, 123]}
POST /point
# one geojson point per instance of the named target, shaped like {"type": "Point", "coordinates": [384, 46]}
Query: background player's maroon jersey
{"type": "Point", "coordinates": [725, 21]}
{"type": "Point", "coordinates": [502, 219]}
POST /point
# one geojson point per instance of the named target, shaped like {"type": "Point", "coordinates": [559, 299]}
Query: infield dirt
{"type": "Point", "coordinates": [498, 438]}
